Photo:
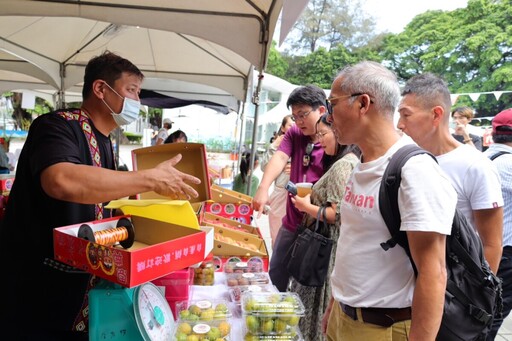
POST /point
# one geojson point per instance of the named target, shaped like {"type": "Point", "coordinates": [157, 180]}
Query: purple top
{"type": "Point", "coordinates": [294, 145]}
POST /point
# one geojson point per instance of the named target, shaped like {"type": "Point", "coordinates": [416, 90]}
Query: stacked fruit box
{"type": "Point", "coordinates": [243, 276]}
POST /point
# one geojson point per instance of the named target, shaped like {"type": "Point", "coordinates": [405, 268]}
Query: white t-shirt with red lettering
{"type": "Point", "coordinates": [364, 274]}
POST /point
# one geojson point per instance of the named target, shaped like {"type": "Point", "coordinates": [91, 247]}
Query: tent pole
{"type": "Point", "coordinates": [241, 110]}
{"type": "Point", "coordinates": [256, 102]}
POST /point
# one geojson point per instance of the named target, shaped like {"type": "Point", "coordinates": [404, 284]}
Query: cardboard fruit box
{"type": "Point", "coordinates": [193, 162]}
{"type": "Point", "coordinates": [236, 243]}
{"type": "Point", "coordinates": [158, 249]}
{"type": "Point", "coordinates": [219, 221]}
{"type": "Point", "coordinates": [238, 212]}
{"type": "Point", "coordinates": [224, 195]}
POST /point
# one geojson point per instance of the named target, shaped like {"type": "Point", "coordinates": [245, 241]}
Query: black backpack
{"type": "Point", "coordinates": [473, 292]}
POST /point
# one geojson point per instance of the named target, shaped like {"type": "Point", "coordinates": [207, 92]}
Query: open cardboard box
{"type": "Point", "coordinates": [155, 206]}
{"type": "Point", "coordinates": [219, 221]}
{"type": "Point", "coordinates": [159, 249]}
{"type": "Point", "coordinates": [193, 162]}
{"type": "Point", "coordinates": [251, 244]}
{"type": "Point", "coordinates": [223, 195]}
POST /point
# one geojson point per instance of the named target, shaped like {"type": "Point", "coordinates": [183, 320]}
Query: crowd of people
{"type": "Point", "coordinates": [341, 144]}
{"type": "Point", "coordinates": [364, 282]}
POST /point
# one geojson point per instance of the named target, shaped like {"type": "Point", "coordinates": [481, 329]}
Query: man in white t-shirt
{"type": "Point", "coordinates": [163, 132]}
{"type": "Point", "coordinates": [376, 295]}
{"type": "Point", "coordinates": [424, 116]}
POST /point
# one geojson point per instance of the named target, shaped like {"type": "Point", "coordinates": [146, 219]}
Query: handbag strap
{"type": "Point", "coordinates": [321, 213]}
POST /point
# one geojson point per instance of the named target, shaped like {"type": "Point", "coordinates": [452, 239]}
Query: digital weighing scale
{"type": "Point", "coordinates": [129, 314]}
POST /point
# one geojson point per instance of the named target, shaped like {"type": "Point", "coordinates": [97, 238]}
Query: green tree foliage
{"type": "Point", "coordinates": [321, 66]}
{"type": "Point", "coordinates": [155, 116]}
{"type": "Point", "coordinates": [317, 68]}
{"type": "Point", "coordinates": [276, 64]}
{"type": "Point", "coordinates": [329, 23]}
{"type": "Point", "coordinates": [470, 47]}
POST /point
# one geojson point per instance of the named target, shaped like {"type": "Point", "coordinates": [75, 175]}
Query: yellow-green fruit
{"type": "Point", "coordinates": [224, 328]}
{"type": "Point", "coordinates": [219, 316]}
{"type": "Point", "coordinates": [193, 318]}
{"type": "Point", "coordinates": [294, 320]}
{"type": "Point", "coordinates": [181, 337]}
{"type": "Point", "coordinates": [252, 324]}
{"type": "Point", "coordinates": [184, 314]}
{"type": "Point", "coordinates": [194, 309]}
{"type": "Point", "coordinates": [280, 326]}
{"type": "Point", "coordinates": [185, 328]}
{"type": "Point", "coordinates": [221, 307]}
{"type": "Point", "coordinates": [286, 307]}
{"type": "Point", "coordinates": [250, 337]}
{"type": "Point", "coordinates": [250, 304]}
{"type": "Point", "coordinates": [290, 299]}
{"type": "Point", "coordinates": [267, 326]}
{"type": "Point", "coordinates": [214, 333]}
{"type": "Point", "coordinates": [192, 338]}
{"type": "Point", "coordinates": [206, 315]}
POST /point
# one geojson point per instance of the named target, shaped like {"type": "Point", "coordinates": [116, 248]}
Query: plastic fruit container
{"type": "Point", "coordinates": [203, 330]}
{"type": "Point", "coordinates": [254, 264]}
{"type": "Point", "coordinates": [247, 278]}
{"type": "Point", "coordinates": [204, 274]}
{"type": "Point", "coordinates": [236, 292]}
{"type": "Point", "coordinates": [203, 310]}
{"type": "Point", "coordinates": [273, 316]}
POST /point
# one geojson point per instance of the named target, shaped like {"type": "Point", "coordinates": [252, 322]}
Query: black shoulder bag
{"type": "Point", "coordinates": [309, 256]}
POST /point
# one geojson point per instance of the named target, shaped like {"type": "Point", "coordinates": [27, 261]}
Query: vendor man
{"type": "Point", "coordinates": [66, 174]}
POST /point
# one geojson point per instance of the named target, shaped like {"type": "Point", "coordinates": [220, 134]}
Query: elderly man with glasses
{"type": "Point", "coordinates": [300, 145]}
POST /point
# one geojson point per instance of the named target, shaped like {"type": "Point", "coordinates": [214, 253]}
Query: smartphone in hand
{"type": "Point", "coordinates": [290, 187]}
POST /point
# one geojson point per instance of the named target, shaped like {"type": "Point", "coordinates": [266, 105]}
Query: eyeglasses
{"type": "Point", "coordinates": [329, 105]}
{"type": "Point", "coordinates": [301, 116]}
{"type": "Point", "coordinates": [320, 135]}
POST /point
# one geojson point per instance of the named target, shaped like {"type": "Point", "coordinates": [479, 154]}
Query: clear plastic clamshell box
{"type": "Point", "coordinates": [272, 316]}
{"type": "Point", "coordinates": [236, 292]}
{"type": "Point", "coordinates": [203, 320]}
{"type": "Point", "coordinates": [203, 330]}
{"type": "Point", "coordinates": [247, 278]}
{"type": "Point", "coordinates": [254, 264]}
{"type": "Point", "coordinates": [203, 310]}
{"type": "Point", "coordinates": [204, 274]}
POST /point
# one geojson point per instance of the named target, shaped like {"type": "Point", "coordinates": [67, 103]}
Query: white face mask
{"type": "Point", "coordinates": [128, 114]}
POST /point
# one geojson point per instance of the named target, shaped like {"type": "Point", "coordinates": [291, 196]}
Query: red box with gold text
{"type": "Point", "coordinates": [159, 248]}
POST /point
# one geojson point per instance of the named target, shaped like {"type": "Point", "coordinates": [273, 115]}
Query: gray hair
{"type": "Point", "coordinates": [430, 91]}
{"type": "Point", "coordinates": [375, 80]}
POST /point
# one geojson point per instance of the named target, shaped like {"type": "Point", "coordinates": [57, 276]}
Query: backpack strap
{"type": "Point", "coordinates": [388, 196]}
{"type": "Point", "coordinates": [497, 155]}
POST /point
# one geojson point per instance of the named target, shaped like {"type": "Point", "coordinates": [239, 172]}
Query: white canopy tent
{"type": "Point", "coordinates": [210, 42]}
{"type": "Point", "coordinates": [216, 43]}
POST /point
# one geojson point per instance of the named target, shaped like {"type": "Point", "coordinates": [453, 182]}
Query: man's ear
{"type": "Point", "coordinates": [99, 88]}
{"type": "Point", "coordinates": [438, 114]}
{"type": "Point", "coordinates": [364, 102]}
